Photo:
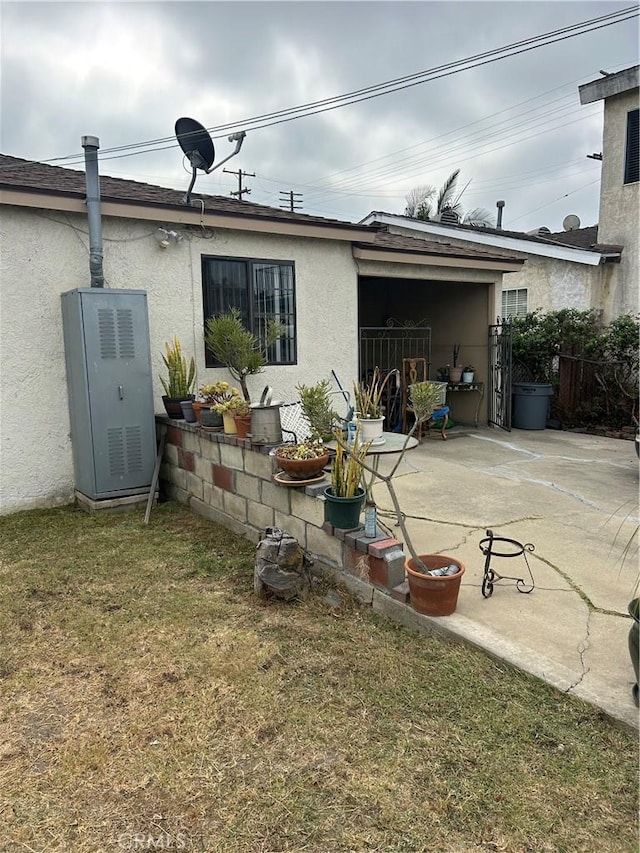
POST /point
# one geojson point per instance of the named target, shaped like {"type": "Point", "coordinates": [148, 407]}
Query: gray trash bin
{"type": "Point", "coordinates": [531, 404]}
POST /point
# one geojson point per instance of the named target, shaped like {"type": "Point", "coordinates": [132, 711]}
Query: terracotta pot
{"type": "Point", "coordinates": [229, 423]}
{"type": "Point", "coordinates": [302, 469]}
{"type": "Point", "coordinates": [455, 374]}
{"type": "Point", "coordinates": [243, 425]}
{"type": "Point", "coordinates": [433, 596]}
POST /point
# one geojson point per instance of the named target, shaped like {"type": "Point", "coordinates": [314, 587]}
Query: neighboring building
{"type": "Point", "coordinates": [324, 278]}
{"type": "Point", "coordinates": [620, 181]}
{"type": "Point", "coordinates": [584, 268]}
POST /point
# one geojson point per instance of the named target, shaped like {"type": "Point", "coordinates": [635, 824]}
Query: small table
{"type": "Point", "coordinates": [393, 443]}
{"type": "Point", "coordinates": [478, 387]}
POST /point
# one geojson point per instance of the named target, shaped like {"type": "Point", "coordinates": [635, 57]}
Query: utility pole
{"type": "Point", "coordinates": [292, 203]}
{"type": "Point", "coordinates": [241, 190]}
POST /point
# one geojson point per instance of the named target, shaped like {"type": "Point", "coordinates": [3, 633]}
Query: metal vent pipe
{"type": "Point", "coordinates": [91, 144]}
{"type": "Point", "coordinates": [500, 206]}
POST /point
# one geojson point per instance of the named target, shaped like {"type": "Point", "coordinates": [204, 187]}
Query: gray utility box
{"type": "Point", "coordinates": [109, 381]}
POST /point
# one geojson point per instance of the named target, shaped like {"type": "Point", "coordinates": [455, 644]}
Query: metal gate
{"type": "Point", "coordinates": [500, 370]}
{"type": "Point", "coordinates": [386, 346]}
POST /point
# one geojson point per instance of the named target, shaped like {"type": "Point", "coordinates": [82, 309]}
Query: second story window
{"type": "Point", "coordinates": [632, 154]}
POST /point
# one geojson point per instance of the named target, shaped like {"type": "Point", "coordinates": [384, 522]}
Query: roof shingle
{"type": "Point", "coordinates": [31, 176]}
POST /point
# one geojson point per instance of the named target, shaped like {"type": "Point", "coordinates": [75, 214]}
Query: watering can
{"type": "Point", "coordinates": [265, 419]}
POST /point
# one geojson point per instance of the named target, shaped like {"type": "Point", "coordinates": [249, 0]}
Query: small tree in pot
{"type": "Point", "coordinates": [237, 348]}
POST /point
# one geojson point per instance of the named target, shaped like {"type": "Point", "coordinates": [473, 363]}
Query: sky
{"type": "Point", "coordinates": [125, 71]}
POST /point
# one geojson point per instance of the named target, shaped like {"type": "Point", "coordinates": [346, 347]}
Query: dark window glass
{"type": "Point", "coordinates": [261, 291]}
{"type": "Point", "coordinates": [632, 158]}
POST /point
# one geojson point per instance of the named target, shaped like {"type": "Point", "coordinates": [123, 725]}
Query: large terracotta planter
{"type": "Point", "coordinates": [302, 469]}
{"type": "Point", "coordinates": [433, 596]}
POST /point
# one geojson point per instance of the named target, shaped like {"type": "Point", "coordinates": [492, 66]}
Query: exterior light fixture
{"type": "Point", "coordinates": [163, 237]}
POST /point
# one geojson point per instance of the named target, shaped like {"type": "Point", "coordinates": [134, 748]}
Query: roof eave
{"type": "Point", "coordinates": [367, 252]}
{"type": "Point", "coordinates": [529, 247]}
{"type": "Point", "coordinates": [182, 214]}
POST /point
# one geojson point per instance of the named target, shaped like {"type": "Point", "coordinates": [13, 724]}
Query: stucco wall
{"type": "Point", "coordinates": [619, 206]}
{"type": "Point", "coordinates": [44, 254]}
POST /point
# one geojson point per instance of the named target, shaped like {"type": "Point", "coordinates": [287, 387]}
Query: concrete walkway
{"type": "Point", "coordinates": [575, 498]}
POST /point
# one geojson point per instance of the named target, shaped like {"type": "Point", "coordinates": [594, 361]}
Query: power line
{"type": "Point", "coordinates": [397, 84]}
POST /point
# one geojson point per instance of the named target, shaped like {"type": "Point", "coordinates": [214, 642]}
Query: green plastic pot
{"type": "Point", "coordinates": [343, 513]}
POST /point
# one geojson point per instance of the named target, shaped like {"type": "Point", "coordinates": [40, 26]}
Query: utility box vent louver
{"type": "Point", "coordinates": [117, 338]}
{"type": "Point", "coordinates": [125, 450]}
{"type": "Point", "coordinates": [109, 380]}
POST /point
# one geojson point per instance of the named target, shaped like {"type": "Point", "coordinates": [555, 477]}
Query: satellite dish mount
{"type": "Point", "coordinates": [198, 148]}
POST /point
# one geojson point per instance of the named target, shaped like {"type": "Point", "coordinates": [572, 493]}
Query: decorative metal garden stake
{"type": "Point", "coordinates": [490, 575]}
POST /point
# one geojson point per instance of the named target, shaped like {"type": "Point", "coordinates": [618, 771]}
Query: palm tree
{"type": "Point", "coordinates": [426, 203]}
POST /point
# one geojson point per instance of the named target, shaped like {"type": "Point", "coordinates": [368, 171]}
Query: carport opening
{"type": "Point", "coordinates": [402, 318]}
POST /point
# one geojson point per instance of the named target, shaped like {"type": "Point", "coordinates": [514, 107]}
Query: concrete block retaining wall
{"type": "Point", "coordinates": [230, 481]}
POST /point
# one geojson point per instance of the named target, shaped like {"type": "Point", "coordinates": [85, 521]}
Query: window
{"type": "Point", "coordinates": [632, 156]}
{"type": "Point", "coordinates": [261, 291]}
{"type": "Point", "coordinates": [514, 302]}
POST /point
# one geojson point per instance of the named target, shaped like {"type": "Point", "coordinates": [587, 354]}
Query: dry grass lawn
{"type": "Point", "coordinates": [148, 701]}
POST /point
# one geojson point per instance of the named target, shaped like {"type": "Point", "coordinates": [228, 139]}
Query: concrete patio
{"type": "Point", "coordinates": [575, 498]}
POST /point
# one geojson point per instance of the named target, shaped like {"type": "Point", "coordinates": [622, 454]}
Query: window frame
{"type": "Point", "coordinates": [517, 291]}
{"type": "Point", "coordinates": [250, 265]}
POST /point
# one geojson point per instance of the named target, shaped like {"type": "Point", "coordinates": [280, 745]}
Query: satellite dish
{"type": "Point", "coordinates": [571, 222]}
{"type": "Point", "coordinates": [197, 145]}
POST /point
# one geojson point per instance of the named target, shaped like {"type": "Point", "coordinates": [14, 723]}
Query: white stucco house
{"type": "Point", "coordinates": [331, 278]}
{"type": "Point", "coordinates": [584, 268]}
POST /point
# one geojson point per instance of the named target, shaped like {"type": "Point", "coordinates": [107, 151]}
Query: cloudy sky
{"type": "Point", "coordinates": [126, 71]}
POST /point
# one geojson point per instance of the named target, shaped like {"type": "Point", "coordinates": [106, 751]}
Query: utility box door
{"type": "Point", "coordinates": [110, 390]}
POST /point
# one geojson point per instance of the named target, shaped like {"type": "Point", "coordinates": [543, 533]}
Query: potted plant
{"type": "Point", "coordinates": [180, 382]}
{"type": "Point", "coordinates": [443, 374]}
{"type": "Point", "coordinates": [345, 496]}
{"type": "Point", "coordinates": [368, 404]}
{"type": "Point", "coordinates": [210, 395]}
{"type": "Point", "coordinates": [302, 461]}
{"type": "Point", "coordinates": [315, 402]}
{"type": "Point", "coordinates": [225, 405]}
{"type": "Point", "coordinates": [238, 407]}
{"type": "Point", "coordinates": [444, 588]}
{"type": "Point", "coordinates": [237, 348]}
{"type": "Point", "coordinates": [468, 373]}
{"type": "Point", "coordinates": [455, 369]}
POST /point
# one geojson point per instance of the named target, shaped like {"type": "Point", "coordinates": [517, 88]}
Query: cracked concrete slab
{"type": "Point", "coordinates": [575, 497]}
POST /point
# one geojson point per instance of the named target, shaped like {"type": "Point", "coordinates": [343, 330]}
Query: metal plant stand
{"type": "Point", "coordinates": [517, 549]}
